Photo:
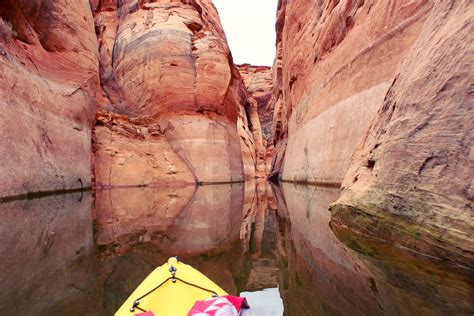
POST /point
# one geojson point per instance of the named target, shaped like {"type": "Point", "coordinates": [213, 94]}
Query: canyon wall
{"type": "Point", "coordinates": [171, 97]}
{"type": "Point", "coordinates": [48, 79]}
{"type": "Point", "coordinates": [155, 78]}
{"type": "Point", "coordinates": [378, 96]}
{"type": "Point", "coordinates": [335, 63]}
{"type": "Point", "coordinates": [414, 170]}
{"type": "Point", "coordinates": [258, 83]}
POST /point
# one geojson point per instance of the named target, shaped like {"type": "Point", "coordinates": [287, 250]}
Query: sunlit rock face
{"type": "Point", "coordinates": [258, 82]}
{"type": "Point", "coordinates": [170, 103]}
{"type": "Point", "coordinates": [325, 277]}
{"type": "Point", "coordinates": [48, 78]}
{"type": "Point", "coordinates": [171, 96]}
{"type": "Point", "coordinates": [335, 63]}
{"type": "Point", "coordinates": [413, 173]}
{"type": "Point", "coordinates": [47, 257]}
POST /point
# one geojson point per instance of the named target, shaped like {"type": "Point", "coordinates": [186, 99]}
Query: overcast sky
{"type": "Point", "coordinates": [250, 29]}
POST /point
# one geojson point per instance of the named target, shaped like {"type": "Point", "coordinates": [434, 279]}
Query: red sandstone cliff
{"type": "Point", "coordinates": [170, 103]}
{"type": "Point", "coordinates": [48, 77]}
{"type": "Point", "coordinates": [258, 83]}
{"type": "Point", "coordinates": [405, 66]}
{"type": "Point", "coordinates": [414, 169]}
{"type": "Point", "coordinates": [172, 98]}
{"type": "Point", "coordinates": [336, 61]}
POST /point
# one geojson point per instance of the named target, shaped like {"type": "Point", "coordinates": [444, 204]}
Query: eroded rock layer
{"type": "Point", "coordinates": [48, 79]}
{"type": "Point", "coordinates": [335, 63]}
{"type": "Point", "coordinates": [167, 70]}
{"type": "Point", "coordinates": [171, 105]}
{"type": "Point", "coordinates": [413, 172]}
{"type": "Point", "coordinates": [259, 83]}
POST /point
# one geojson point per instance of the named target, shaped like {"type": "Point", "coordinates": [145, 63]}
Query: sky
{"type": "Point", "coordinates": [250, 29]}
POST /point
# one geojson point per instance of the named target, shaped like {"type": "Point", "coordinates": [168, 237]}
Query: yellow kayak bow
{"type": "Point", "coordinates": [170, 290]}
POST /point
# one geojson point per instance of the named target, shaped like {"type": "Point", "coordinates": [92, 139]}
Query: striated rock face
{"type": "Point", "coordinates": [171, 96]}
{"type": "Point", "coordinates": [258, 83]}
{"type": "Point", "coordinates": [171, 106]}
{"type": "Point", "coordinates": [48, 79]}
{"type": "Point", "coordinates": [335, 63]}
{"type": "Point", "coordinates": [413, 172]}
{"type": "Point", "coordinates": [407, 68]}
{"type": "Point", "coordinates": [279, 121]}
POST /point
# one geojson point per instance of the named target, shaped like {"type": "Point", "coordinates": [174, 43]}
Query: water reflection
{"type": "Point", "coordinates": [76, 255]}
{"type": "Point", "coordinates": [183, 220]}
{"type": "Point", "coordinates": [47, 257]}
{"type": "Point", "coordinates": [138, 229]}
{"type": "Point", "coordinates": [321, 276]}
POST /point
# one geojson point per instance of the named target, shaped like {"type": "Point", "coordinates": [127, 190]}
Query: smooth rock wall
{"type": "Point", "coordinates": [161, 76]}
{"type": "Point", "coordinates": [258, 83]}
{"type": "Point", "coordinates": [167, 69]}
{"type": "Point", "coordinates": [411, 181]}
{"type": "Point", "coordinates": [335, 63]}
{"type": "Point", "coordinates": [48, 78]}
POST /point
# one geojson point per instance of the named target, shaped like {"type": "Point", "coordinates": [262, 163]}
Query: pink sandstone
{"type": "Point", "coordinates": [378, 96]}
{"type": "Point", "coordinates": [48, 79]}
{"type": "Point", "coordinates": [172, 99]}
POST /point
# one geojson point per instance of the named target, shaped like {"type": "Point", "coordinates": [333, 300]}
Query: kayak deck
{"type": "Point", "coordinates": [170, 290]}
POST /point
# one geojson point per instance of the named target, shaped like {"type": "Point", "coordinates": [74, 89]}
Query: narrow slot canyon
{"type": "Point", "coordinates": [337, 179]}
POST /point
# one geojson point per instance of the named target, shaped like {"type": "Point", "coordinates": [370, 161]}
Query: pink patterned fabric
{"type": "Point", "coordinates": [220, 306]}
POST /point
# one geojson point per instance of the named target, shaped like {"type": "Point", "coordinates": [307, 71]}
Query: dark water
{"type": "Point", "coordinates": [82, 255]}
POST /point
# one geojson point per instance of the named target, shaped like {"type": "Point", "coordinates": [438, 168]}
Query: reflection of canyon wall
{"type": "Point", "coordinates": [225, 232]}
{"type": "Point", "coordinates": [319, 267]}
{"type": "Point", "coordinates": [414, 171]}
{"type": "Point", "coordinates": [47, 264]}
{"type": "Point", "coordinates": [182, 220]}
{"type": "Point", "coordinates": [335, 64]}
{"type": "Point", "coordinates": [137, 229]}
{"type": "Point", "coordinates": [48, 77]}
{"type": "Point", "coordinates": [171, 95]}
{"type": "Point", "coordinates": [258, 236]}
{"type": "Point", "coordinates": [326, 278]}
